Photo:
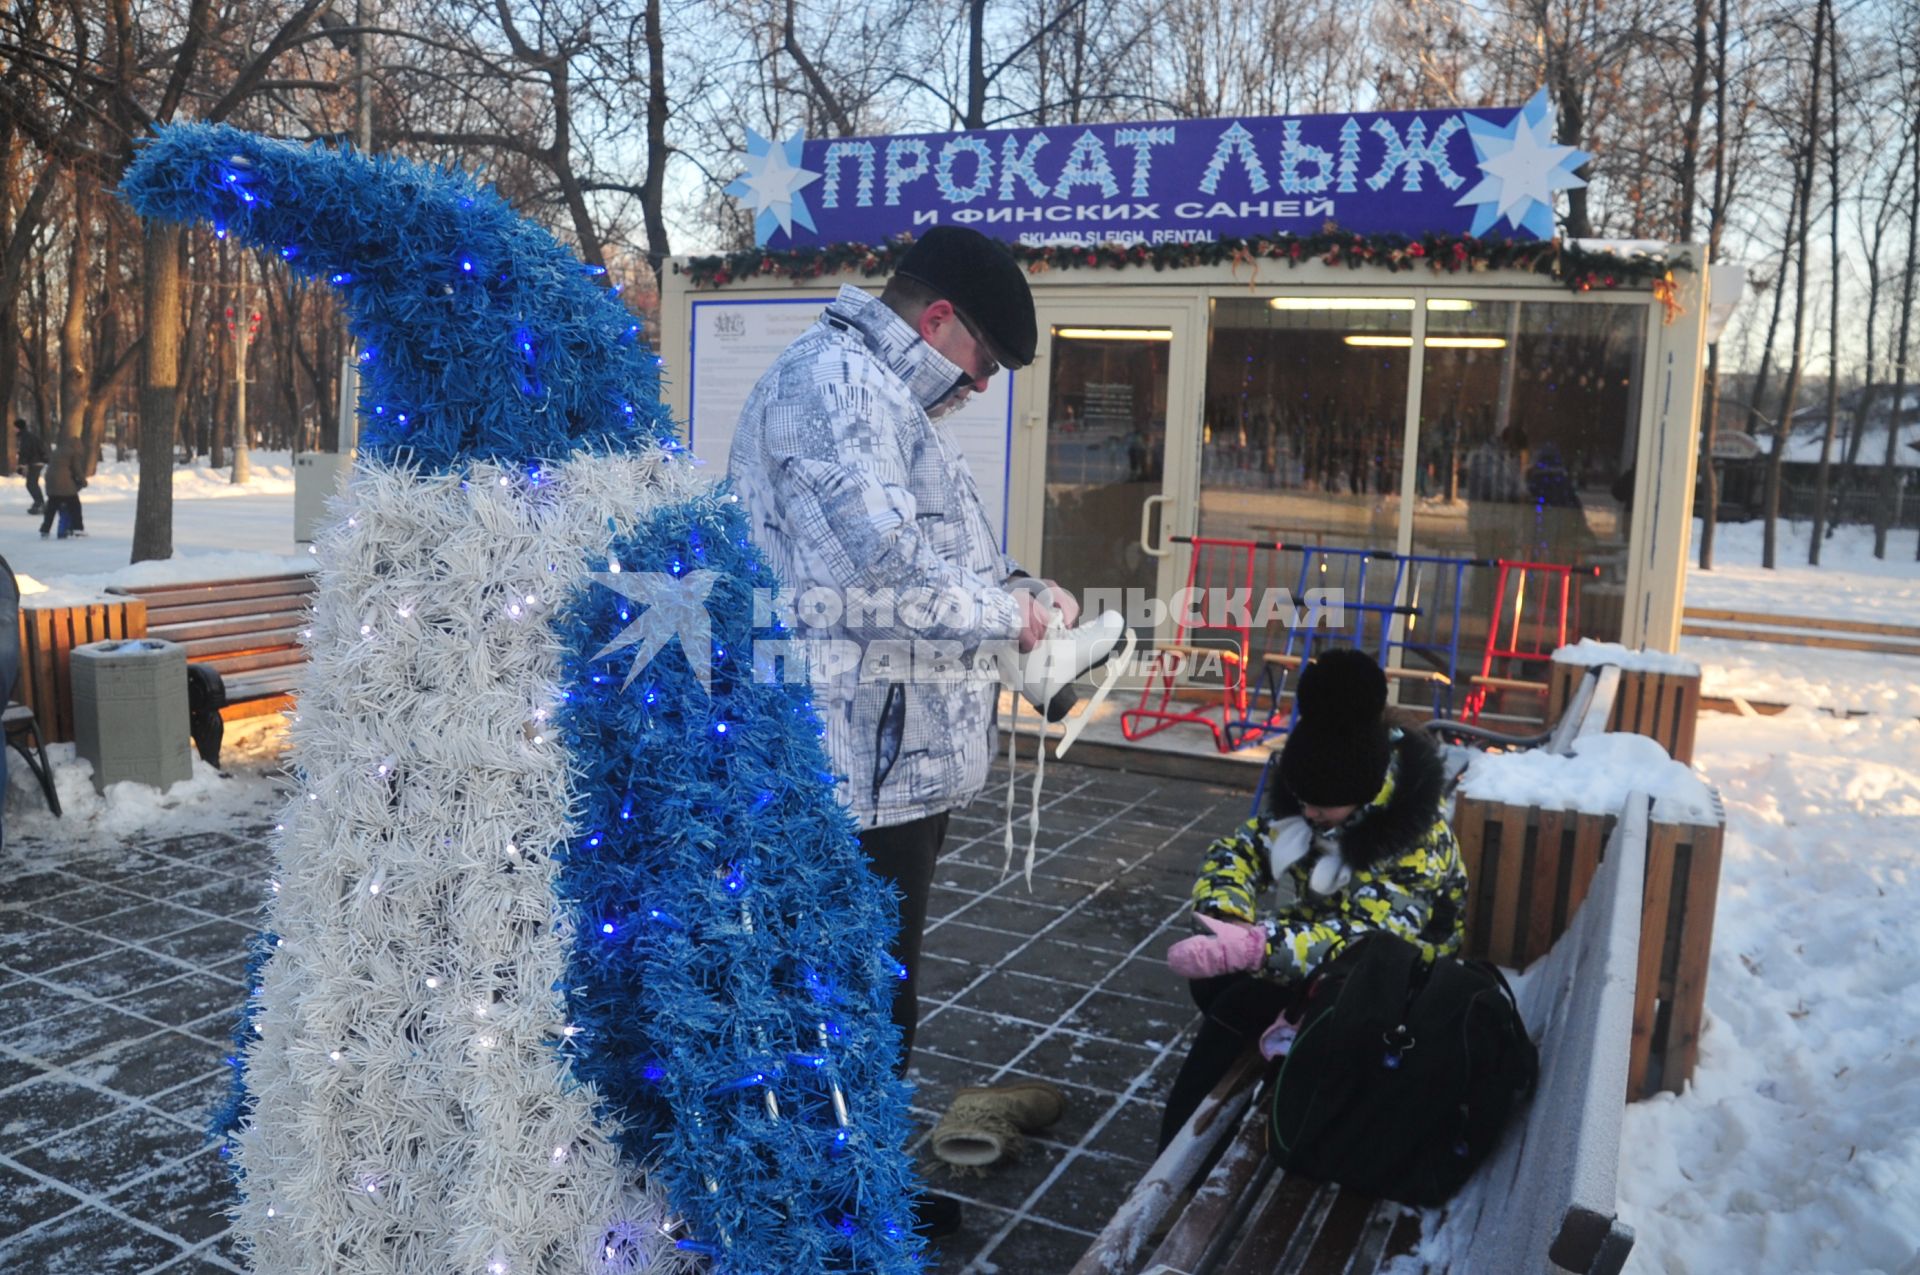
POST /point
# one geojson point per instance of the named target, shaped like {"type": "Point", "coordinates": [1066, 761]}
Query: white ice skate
{"type": "Point", "coordinates": [1045, 677]}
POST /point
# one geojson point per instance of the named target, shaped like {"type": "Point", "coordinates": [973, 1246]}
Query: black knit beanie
{"type": "Point", "coordinates": [1338, 751]}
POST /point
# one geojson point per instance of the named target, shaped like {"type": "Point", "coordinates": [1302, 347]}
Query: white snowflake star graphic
{"type": "Point", "coordinates": [1522, 168]}
{"type": "Point", "coordinates": [772, 185]}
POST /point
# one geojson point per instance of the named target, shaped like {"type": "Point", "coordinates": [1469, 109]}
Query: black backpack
{"type": "Point", "coordinates": [1402, 1075]}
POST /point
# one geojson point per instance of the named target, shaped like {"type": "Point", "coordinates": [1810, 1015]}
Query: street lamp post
{"type": "Point", "coordinates": [347, 434]}
{"type": "Point", "coordinates": [319, 475]}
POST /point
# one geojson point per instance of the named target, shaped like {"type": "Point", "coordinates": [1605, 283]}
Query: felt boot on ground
{"type": "Point", "coordinates": [983, 1126]}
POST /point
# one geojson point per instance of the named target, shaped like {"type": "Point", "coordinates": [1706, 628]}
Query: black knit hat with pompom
{"type": "Point", "coordinates": [1338, 751]}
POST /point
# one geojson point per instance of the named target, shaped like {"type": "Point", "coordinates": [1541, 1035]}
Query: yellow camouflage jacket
{"type": "Point", "coordinates": [1405, 874]}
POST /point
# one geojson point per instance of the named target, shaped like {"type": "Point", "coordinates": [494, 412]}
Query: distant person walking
{"type": "Point", "coordinates": [65, 477]}
{"type": "Point", "coordinates": [29, 458]}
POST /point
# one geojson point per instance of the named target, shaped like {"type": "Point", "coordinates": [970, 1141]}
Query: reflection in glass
{"type": "Point", "coordinates": [1106, 444]}
{"type": "Point", "coordinates": [1529, 419]}
{"type": "Point", "coordinates": [1305, 412]}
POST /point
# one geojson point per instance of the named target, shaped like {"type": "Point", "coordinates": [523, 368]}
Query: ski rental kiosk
{"type": "Point", "coordinates": [1349, 341]}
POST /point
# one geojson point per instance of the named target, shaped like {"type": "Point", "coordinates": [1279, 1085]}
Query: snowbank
{"type": "Point", "coordinates": [1594, 779]}
{"type": "Point", "coordinates": [248, 793]}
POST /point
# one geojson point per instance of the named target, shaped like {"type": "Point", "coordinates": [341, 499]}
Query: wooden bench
{"type": "Point", "coordinates": [247, 631]}
{"type": "Point", "coordinates": [1825, 632]}
{"type": "Point", "coordinates": [1662, 704]}
{"type": "Point", "coordinates": [1528, 870]}
{"type": "Point", "coordinates": [1214, 1203]}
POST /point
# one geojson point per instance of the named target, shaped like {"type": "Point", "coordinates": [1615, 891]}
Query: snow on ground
{"type": "Point", "coordinates": [248, 791]}
{"type": "Point", "coordinates": [1850, 583]}
{"type": "Point", "coordinates": [1793, 1148]}
{"type": "Point", "coordinates": [220, 531]}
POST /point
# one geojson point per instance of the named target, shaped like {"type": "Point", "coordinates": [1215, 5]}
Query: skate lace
{"type": "Point", "coordinates": [1116, 666]}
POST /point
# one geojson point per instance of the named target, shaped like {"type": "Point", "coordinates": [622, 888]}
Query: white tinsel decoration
{"type": "Point", "coordinates": [413, 1112]}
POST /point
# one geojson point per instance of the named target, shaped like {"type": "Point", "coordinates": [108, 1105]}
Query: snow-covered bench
{"type": "Point", "coordinates": [1531, 826]}
{"type": "Point", "coordinates": [1215, 1204]}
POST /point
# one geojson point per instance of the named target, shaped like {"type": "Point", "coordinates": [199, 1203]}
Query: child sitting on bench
{"type": "Point", "coordinates": [1351, 837]}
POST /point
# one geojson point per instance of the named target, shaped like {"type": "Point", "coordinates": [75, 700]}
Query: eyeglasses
{"type": "Point", "coordinates": [988, 364]}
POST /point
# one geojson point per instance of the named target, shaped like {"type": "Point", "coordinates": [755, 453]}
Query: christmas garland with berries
{"type": "Point", "coordinates": [1579, 269]}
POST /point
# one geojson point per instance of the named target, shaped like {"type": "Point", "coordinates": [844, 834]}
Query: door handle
{"type": "Point", "coordinates": [1146, 523]}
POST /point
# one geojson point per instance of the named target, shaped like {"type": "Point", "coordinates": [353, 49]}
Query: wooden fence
{"type": "Point", "coordinates": [48, 635]}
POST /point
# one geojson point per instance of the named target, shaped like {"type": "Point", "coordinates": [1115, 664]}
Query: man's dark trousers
{"type": "Point", "coordinates": [905, 854]}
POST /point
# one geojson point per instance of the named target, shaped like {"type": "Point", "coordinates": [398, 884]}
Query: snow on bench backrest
{"type": "Point", "coordinates": [1549, 1191]}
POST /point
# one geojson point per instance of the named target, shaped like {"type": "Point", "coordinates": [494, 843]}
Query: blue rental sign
{"type": "Point", "coordinates": [1411, 172]}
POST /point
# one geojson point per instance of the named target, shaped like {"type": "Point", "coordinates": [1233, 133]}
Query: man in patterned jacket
{"type": "Point", "coordinates": [1352, 839]}
{"type": "Point", "coordinates": [855, 493]}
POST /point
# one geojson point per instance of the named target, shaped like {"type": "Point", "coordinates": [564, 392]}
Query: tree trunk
{"type": "Point", "coordinates": [1833, 302]}
{"type": "Point", "coordinates": [74, 381]}
{"type": "Point", "coordinates": [191, 407]}
{"type": "Point", "coordinates": [159, 401]}
{"type": "Point", "coordinates": [1573, 122]}
{"type": "Point", "coordinates": [1689, 173]}
{"type": "Point", "coordinates": [242, 346]}
{"type": "Point", "coordinates": [1783, 423]}
{"type": "Point", "coordinates": [1804, 165]}
{"type": "Point", "coordinates": [220, 401]}
{"type": "Point", "coordinates": [1886, 509]}
{"type": "Point", "coordinates": [9, 334]}
{"type": "Point", "coordinates": [976, 65]}
{"type": "Point", "coordinates": [105, 387]}
{"type": "Point", "coordinates": [654, 185]}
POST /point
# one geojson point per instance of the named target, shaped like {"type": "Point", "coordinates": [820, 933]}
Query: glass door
{"type": "Point", "coordinates": [1109, 411]}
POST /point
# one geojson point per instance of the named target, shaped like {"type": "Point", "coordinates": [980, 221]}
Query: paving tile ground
{"type": "Point", "coordinates": [121, 968]}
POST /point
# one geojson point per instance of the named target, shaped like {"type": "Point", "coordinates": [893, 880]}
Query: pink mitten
{"type": "Point", "coordinates": [1232, 946]}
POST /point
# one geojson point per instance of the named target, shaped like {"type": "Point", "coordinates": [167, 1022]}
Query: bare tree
{"type": "Point", "coordinates": [1806, 162]}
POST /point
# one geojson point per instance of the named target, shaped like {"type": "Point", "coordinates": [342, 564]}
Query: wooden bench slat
{"type": "Point", "coordinates": [1553, 1177]}
{"type": "Point", "coordinates": [1218, 1208]}
{"type": "Point", "coordinates": [291, 582]}
{"type": "Point", "coordinates": [1375, 1247]}
{"type": "Point", "coordinates": [1545, 913]}
{"type": "Point", "coordinates": [1782, 638]}
{"type": "Point", "coordinates": [1503, 925]}
{"type": "Point", "coordinates": [1338, 1235]}
{"type": "Point", "coordinates": [1831, 624]}
{"type": "Point", "coordinates": [276, 605]}
{"type": "Point", "coordinates": [186, 634]}
{"type": "Point", "coordinates": [1288, 1218]}
{"type": "Point", "coordinates": [1589, 843]}
{"type": "Point", "coordinates": [1176, 1169]}
{"type": "Point", "coordinates": [1655, 902]}
{"type": "Point", "coordinates": [200, 649]}
{"type": "Point", "coordinates": [254, 685]}
{"type": "Point", "coordinates": [281, 657]}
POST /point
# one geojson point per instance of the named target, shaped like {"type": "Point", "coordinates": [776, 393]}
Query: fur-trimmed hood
{"type": "Point", "coordinates": [1399, 817]}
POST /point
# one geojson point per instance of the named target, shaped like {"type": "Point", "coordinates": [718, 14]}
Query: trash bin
{"type": "Point", "coordinates": [130, 711]}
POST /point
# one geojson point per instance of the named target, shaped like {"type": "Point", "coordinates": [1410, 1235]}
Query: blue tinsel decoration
{"type": "Point", "coordinates": [733, 942]}
{"type": "Point", "coordinates": [238, 1105]}
{"type": "Point", "coordinates": [480, 336]}
{"type": "Point", "coordinates": [730, 976]}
